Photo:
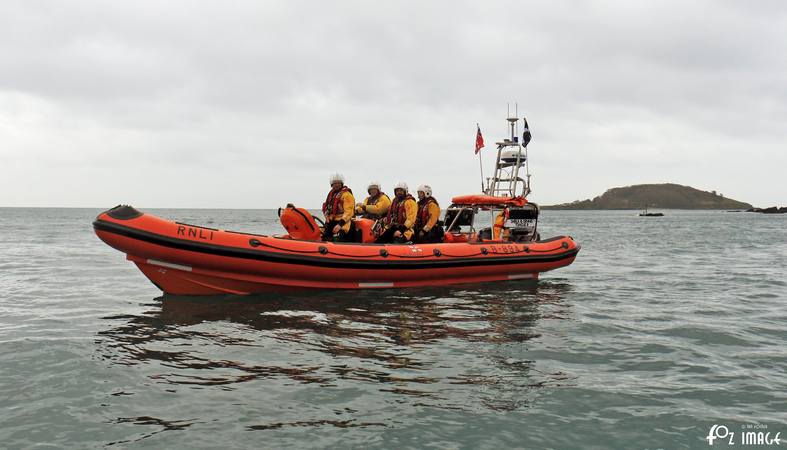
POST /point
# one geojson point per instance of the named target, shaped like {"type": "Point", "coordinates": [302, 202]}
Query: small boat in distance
{"type": "Point", "coordinates": [645, 213]}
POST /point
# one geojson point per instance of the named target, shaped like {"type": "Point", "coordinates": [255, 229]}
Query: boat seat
{"type": "Point", "coordinates": [299, 223]}
{"type": "Point", "coordinates": [364, 230]}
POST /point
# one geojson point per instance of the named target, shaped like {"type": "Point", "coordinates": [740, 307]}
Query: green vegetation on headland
{"type": "Point", "coordinates": [665, 196]}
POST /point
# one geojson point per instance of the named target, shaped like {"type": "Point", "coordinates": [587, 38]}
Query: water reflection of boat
{"type": "Point", "coordinates": [427, 344]}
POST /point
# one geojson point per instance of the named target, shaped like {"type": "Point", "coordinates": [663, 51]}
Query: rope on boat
{"type": "Point", "coordinates": [384, 253]}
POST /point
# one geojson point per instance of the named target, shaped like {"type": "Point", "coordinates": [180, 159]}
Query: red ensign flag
{"type": "Point", "coordinates": [479, 140]}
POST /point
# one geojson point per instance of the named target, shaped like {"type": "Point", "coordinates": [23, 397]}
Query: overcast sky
{"type": "Point", "coordinates": [253, 104]}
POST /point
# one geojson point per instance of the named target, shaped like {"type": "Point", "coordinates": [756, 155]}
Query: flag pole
{"type": "Point", "coordinates": [480, 163]}
{"type": "Point", "coordinates": [482, 173]}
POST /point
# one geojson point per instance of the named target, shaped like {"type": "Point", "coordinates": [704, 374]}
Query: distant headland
{"type": "Point", "coordinates": [666, 196]}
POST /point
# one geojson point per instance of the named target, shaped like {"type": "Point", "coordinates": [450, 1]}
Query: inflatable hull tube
{"type": "Point", "coordinates": [488, 200]}
{"type": "Point", "coordinates": [193, 260]}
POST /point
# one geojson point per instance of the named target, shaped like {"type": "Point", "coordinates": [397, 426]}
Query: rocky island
{"type": "Point", "coordinates": [771, 210]}
{"type": "Point", "coordinates": [665, 196]}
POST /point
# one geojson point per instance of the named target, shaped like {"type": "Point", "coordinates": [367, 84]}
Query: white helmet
{"type": "Point", "coordinates": [402, 185]}
{"type": "Point", "coordinates": [373, 184]}
{"type": "Point", "coordinates": [426, 189]}
{"type": "Point", "coordinates": [336, 177]}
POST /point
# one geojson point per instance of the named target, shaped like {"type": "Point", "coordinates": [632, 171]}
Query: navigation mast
{"type": "Point", "coordinates": [511, 161]}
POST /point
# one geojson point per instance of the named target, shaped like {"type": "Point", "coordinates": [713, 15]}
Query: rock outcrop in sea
{"type": "Point", "coordinates": [657, 196]}
{"type": "Point", "coordinates": [771, 210]}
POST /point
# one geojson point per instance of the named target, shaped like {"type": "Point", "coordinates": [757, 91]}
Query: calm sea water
{"type": "Point", "coordinates": [661, 328]}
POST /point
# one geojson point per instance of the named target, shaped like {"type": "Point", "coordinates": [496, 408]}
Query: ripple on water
{"type": "Point", "coordinates": [657, 331]}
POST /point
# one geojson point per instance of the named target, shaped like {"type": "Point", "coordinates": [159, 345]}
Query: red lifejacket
{"type": "Point", "coordinates": [397, 214]}
{"type": "Point", "coordinates": [423, 211]}
{"type": "Point", "coordinates": [333, 202]}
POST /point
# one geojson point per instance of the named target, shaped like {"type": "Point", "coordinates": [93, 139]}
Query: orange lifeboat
{"type": "Point", "coordinates": [194, 260]}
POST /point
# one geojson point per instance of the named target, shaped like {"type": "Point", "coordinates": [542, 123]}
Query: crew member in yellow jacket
{"type": "Point", "coordinates": [401, 217]}
{"type": "Point", "coordinates": [338, 210]}
{"type": "Point", "coordinates": [427, 228]}
{"type": "Point", "coordinates": [376, 205]}
{"type": "Point", "coordinates": [499, 230]}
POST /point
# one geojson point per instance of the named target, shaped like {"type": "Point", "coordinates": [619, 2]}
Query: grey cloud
{"type": "Point", "coordinates": [284, 93]}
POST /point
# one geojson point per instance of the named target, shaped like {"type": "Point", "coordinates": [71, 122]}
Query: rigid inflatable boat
{"type": "Point", "coordinates": [193, 260]}
{"type": "Point", "coordinates": [491, 236]}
